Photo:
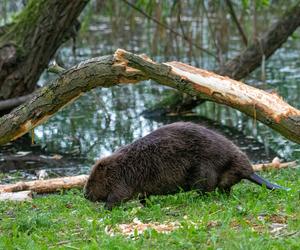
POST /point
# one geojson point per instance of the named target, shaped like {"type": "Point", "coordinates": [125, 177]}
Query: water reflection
{"type": "Point", "coordinates": [104, 119]}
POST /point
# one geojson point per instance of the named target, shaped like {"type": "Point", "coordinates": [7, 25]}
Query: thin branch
{"type": "Point", "coordinates": [168, 28]}
{"type": "Point", "coordinates": [235, 20]}
{"type": "Point", "coordinates": [213, 36]}
{"type": "Point", "coordinates": [14, 102]}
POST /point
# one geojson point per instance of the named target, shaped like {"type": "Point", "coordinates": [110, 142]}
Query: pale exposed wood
{"type": "Point", "coordinates": [16, 196]}
{"type": "Point", "coordinates": [274, 165]}
{"type": "Point", "coordinates": [124, 67]}
{"type": "Point", "coordinates": [46, 186]}
{"type": "Point", "coordinates": [269, 108]}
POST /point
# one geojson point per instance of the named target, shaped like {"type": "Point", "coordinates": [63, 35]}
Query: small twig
{"type": "Point", "coordinates": [55, 68]}
{"type": "Point", "coordinates": [287, 234]}
{"type": "Point", "coordinates": [32, 136]}
{"type": "Point", "coordinates": [182, 28]}
{"type": "Point", "coordinates": [102, 105]}
{"type": "Point", "coordinates": [213, 34]}
{"type": "Point", "coordinates": [64, 242]}
{"type": "Point", "coordinates": [168, 28]}
{"type": "Point", "coordinates": [235, 20]}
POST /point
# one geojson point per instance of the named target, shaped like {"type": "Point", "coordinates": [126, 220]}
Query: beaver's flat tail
{"type": "Point", "coordinates": [261, 181]}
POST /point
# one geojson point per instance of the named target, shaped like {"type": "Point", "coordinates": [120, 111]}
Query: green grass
{"type": "Point", "coordinates": [242, 220]}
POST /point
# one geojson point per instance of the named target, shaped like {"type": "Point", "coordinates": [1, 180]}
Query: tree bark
{"type": "Point", "coordinates": [102, 71]}
{"type": "Point", "coordinates": [27, 45]}
{"type": "Point", "coordinates": [124, 67]}
{"type": "Point", "coordinates": [243, 64]}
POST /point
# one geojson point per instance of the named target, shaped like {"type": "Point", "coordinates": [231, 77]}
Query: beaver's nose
{"type": "Point", "coordinates": [89, 195]}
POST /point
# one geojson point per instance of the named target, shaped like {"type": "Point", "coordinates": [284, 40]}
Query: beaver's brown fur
{"type": "Point", "coordinates": [179, 156]}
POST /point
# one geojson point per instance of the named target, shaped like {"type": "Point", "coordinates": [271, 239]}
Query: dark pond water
{"type": "Point", "coordinates": [104, 119]}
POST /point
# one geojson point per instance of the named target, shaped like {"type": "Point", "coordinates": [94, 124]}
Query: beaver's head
{"type": "Point", "coordinates": [97, 186]}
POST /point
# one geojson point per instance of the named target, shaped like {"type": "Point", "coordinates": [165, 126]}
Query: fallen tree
{"type": "Point", "coordinates": [124, 67]}
{"type": "Point", "coordinates": [241, 65]}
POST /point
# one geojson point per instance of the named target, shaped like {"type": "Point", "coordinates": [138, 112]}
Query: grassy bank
{"type": "Point", "coordinates": [250, 218]}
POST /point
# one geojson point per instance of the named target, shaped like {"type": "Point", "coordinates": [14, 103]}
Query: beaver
{"type": "Point", "coordinates": [179, 156]}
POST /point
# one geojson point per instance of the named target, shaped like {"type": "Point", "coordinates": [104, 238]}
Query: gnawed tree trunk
{"type": "Point", "coordinates": [240, 66]}
{"type": "Point", "coordinates": [64, 183]}
{"type": "Point", "coordinates": [27, 45]}
{"type": "Point", "coordinates": [124, 67]}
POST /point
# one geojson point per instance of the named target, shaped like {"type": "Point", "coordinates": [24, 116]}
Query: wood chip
{"type": "Point", "coordinates": [16, 196]}
{"type": "Point", "coordinates": [137, 227]}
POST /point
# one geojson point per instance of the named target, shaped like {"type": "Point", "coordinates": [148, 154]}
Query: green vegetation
{"type": "Point", "coordinates": [21, 22]}
{"type": "Point", "coordinates": [250, 218]}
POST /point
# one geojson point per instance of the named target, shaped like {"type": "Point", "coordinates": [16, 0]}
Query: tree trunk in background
{"type": "Point", "coordinates": [240, 66]}
{"type": "Point", "coordinates": [28, 44]}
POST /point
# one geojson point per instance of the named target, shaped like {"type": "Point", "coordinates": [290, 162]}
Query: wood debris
{"type": "Point", "coordinates": [137, 227]}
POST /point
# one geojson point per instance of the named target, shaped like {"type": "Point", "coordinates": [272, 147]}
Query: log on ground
{"type": "Point", "coordinates": [46, 186]}
{"type": "Point", "coordinates": [65, 183]}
